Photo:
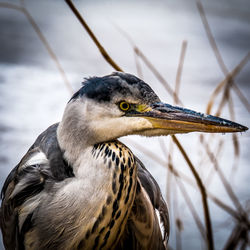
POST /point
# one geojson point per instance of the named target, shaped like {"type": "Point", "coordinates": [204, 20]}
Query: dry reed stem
{"type": "Point", "coordinates": [178, 181]}
{"type": "Point", "coordinates": [179, 70]}
{"type": "Point", "coordinates": [182, 176]}
{"type": "Point", "coordinates": [217, 52]}
{"type": "Point", "coordinates": [212, 171]}
{"type": "Point", "coordinates": [185, 178]}
{"type": "Point", "coordinates": [242, 97]}
{"type": "Point", "coordinates": [210, 141]}
{"type": "Point", "coordinates": [210, 195]}
{"type": "Point", "coordinates": [157, 74]}
{"type": "Point", "coordinates": [239, 233]}
{"type": "Point", "coordinates": [187, 199]}
{"type": "Point", "coordinates": [42, 39]}
{"type": "Point", "coordinates": [227, 79]}
{"type": "Point", "coordinates": [209, 232]}
{"type": "Point", "coordinates": [226, 184]}
{"type": "Point", "coordinates": [138, 66]}
{"type": "Point", "coordinates": [235, 139]}
{"type": "Point", "coordinates": [211, 37]}
{"type": "Point", "coordinates": [169, 163]}
{"type": "Point", "coordinates": [226, 97]}
{"type": "Point", "coordinates": [191, 207]}
{"type": "Point", "coordinates": [93, 37]}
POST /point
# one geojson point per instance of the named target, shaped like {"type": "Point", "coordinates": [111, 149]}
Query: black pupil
{"type": "Point", "coordinates": [124, 106]}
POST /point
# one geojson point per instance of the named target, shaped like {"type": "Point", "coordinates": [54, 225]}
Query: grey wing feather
{"type": "Point", "coordinates": [27, 180]}
{"type": "Point", "coordinates": [153, 190]}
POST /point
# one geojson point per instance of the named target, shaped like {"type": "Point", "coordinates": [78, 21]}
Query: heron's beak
{"type": "Point", "coordinates": [181, 120]}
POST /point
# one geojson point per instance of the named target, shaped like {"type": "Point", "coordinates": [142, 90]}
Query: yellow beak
{"type": "Point", "coordinates": [181, 120]}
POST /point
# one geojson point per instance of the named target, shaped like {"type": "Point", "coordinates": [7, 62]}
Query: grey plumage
{"type": "Point", "coordinates": [40, 177]}
{"type": "Point", "coordinates": [78, 187]}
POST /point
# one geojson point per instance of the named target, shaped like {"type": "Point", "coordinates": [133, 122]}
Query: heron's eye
{"type": "Point", "coordinates": [124, 106]}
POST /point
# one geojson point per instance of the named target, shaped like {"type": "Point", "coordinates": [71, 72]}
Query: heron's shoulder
{"type": "Point", "coordinates": [46, 151]}
{"type": "Point", "coordinates": [47, 140]}
{"type": "Point", "coordinates": [44, 157]}
{"type": "Point", "coordinates": [41, 166]}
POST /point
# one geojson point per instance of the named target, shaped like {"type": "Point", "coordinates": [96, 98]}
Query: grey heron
{"type": "Point", "coordinates": [78, 187]}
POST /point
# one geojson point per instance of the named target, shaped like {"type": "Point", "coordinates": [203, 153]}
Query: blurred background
{"type": "Point", "coordinates": [33, 92]}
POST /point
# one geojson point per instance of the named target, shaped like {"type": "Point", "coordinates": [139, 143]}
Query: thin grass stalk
{"type": "Point", "coordinates": [209, 232]}
{"type": "Point", "coordinates": [212, 172]}
{"type": "Point", "coordinates": [178, 181]}
{"type": "Point", "coordinates": [183, 191]}
{"type": "Point", "coordinates": [224, 181]}
{"type": "Point", "coordinates": [93, 37]}
{"type": "Point", "coordinates": [167, 153]}
{"type": "Point", "coordinates": [138, 66]}
{"type": "Point", "coordinates": [210, 195]}
{"type": "Point", "coordinates": [242, 98]}
{"type": "Point", "coordinates": [160, 78]}
{"type": "Point", "coordinates": [227, 79]}
{"type": "Point", "coordinates": [179, 70]}
{"type": "Point", "coordinates": [234, 137]}
{"type": "Point", "coordinates": [226, 98]}
{"type": "Point", "coordinates": [217, 52]}
{"type": "Point", "coordinates": [191, 207]}
{"type": "Point", "coordinates": [42, 39]}
{"type": "Point", "coordinates": [211, 37]}
{"type": "Point", "coordinates": [234, 165]}
{"type": "Point", "coordinates": [234, 239]}
{"type": "Point", "coordinates": [185, 178]}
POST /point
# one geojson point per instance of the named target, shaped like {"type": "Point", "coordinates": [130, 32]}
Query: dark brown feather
{"type": "Point", "coordinates": [143, 230]}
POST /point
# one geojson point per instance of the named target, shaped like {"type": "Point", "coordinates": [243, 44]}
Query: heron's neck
{"type": "Point", "coordinates": [106, 180]}
{"type": "Point", "coordinates": [73, 134]}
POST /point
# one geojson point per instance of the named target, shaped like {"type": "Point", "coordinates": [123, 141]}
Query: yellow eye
{"type": "Point", "coordinates": [124, 106]}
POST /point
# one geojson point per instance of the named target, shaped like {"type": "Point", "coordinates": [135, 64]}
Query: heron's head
{"type": "Point", "coordinates": [120, 104]}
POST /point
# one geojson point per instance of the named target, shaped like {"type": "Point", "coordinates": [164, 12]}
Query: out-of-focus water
{"type": "Point", "coordinates": [33, 94]}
